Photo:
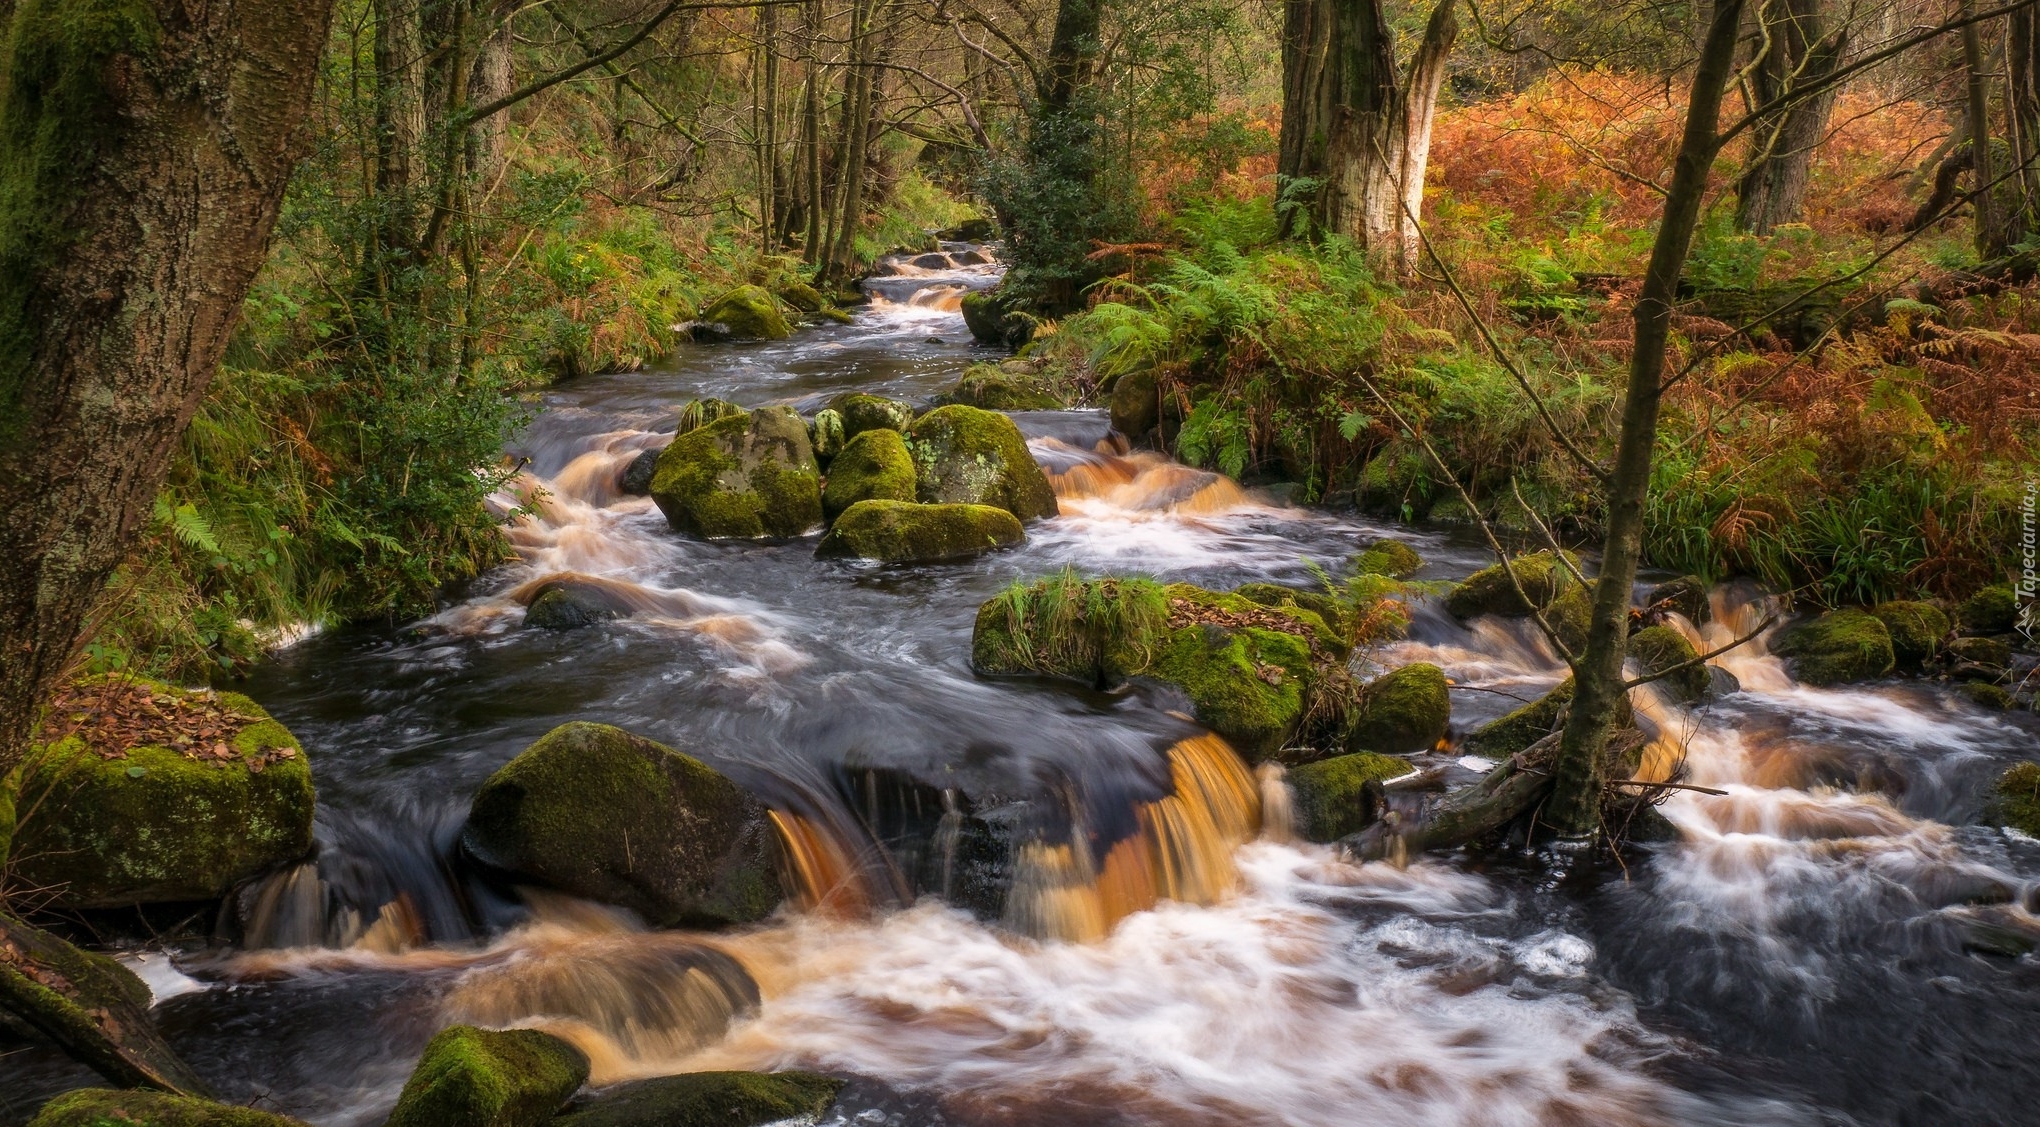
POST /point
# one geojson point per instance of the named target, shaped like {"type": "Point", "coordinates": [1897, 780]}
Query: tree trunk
{"type": "Point", "coordinates": [1306, 113]}
{"type": "Point", "coordinates": [399, 123]}
{"type": "Point", "coordinates": [1991, 232]}
{"type": "Point", "coordinates": [856, 143]}
{"type": "Point", "coordinates": [494, 76]}
{"type": "Point", "coordinates": [1575, 805]}
{"type": "Point", "coordinates": [768, 127]}
{"type": "Point", "coordinates": [1798, 52]}
{"type": "Point", "coordinates": [2022, 106]}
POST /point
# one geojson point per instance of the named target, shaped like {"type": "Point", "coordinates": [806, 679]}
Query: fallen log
{"type": "Point", "coordinates": [1506, 793]}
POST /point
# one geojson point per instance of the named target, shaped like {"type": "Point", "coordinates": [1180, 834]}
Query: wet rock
{"type": "Point", "coordinates": [906, 532]}
{"type": "Point", "coordinates": [1503, 737]}
{"type": "Point", "coordinates": [1004, 387]}
{"type": "Point", "coordinates": [1488, 591]}
{"type": "Point", "coordinates": [933, 260]}
{"type": "Point", "coordinates": [993, 319]}
{"type": "Point", "coordinates": [697, 413]}
{"type": "Point", "coordinates": [963, 455]}
{"type": "Point", "coordinates": [1275, 595]}
{"type": "Point", "coordinates": [1983, 694]}
{"type": "Point", "coordinates": [1570, 616]}
{"type": "Point", "coordinates": [825, 435]}
{"type": "Point", "coordinates": [1136, 405]}
{"type": "Point", "coordinates": [105, 1107]}
{"type": "Point", "coordinates": [609, 816]}
{"type": "Point", "coordinates": [473, 1077]}
{"type": "Point", "coordinates": [803, 297]}
{"type": "Point", "coordinates": [1687, 595]}
{"type": "Point", "coordinates": [1407, 709]}
{"type": "Point", "coordinates": [1389, 557]}
{"type": "Point", "coordinates": [743, 477]}
{"type": "Point", "coordinates": [874, 466]}
{"type": "Point", "coordinates": [162, 824]}
{"type": "Point", "coordinates": [2015, 801]}
{"type": "Point", "coordinates": [1916, 630]}
{"type": "Point", "coordinates": [1658, 648]}
{"type": "Point", "coordinates": [1993, 610]}
{"type": "Point", "coordinates": [1985, 655]}
{"type": "Point", "coordinates": [708, 1099]}
{"type": "Point", "coordinates": [567, 608]}
{"type": "Point", "coordinates": [1836, 648]}
{"type": "Point", "coordinates": [1099, 631]}
{"type": "Point", "coordinates": [863, 412]}
{"type": "Point", "coordinates": [636, 478]}
{"type": "Point", "coordinates": [980, 230]}
{"type": "Point", "coordinates": [744, 313]}
{"type": "Point", "coordinates": [1341, 795]}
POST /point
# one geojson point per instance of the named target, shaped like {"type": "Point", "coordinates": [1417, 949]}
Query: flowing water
{"type": "Point", "coordinates": [1154, 950]}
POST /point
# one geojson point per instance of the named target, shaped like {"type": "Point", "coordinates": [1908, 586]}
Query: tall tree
{"type": "Point", "coordinates": [1797, 49]}
{"type": "Point", "coordinates": [1992, 232]}
{"type": "Point", "coordinates": [2022, 106]}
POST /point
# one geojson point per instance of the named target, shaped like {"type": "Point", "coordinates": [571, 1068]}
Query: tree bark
{"type": "Point", "coordinates": [1799, 51]}
{"type": "Point", "coordinates": [399, 120]}
{"type": "Point", "coordinates": [768, 127]}
{"type": "Point", "coordinates": [1575, 805]}
{"type": "Point", "coordinates": [90, 1006]}
{"type": "Point", "coordinates": [856, 136]}
{"type": "Point", "coordinates": [2022, 113]}
{"type": "Point", "coordinates": [495, 75]}
{"type": "Point", "coordinates": [1306, 113]}
{"type": "Point", "coordinates": [1991, 231]}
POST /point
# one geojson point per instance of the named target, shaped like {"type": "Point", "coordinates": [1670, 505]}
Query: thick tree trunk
{"type": "Point", "coordinates": [399, 119]}
{"type": "Point", "coordinates": [856, 137]}
{"type": "Point", "coordinates": [1798, 52]}
{"type": "Point", "coordinates": [1575, 805]}
{"type": "Point", "coordinates": [1307, 110]}
{"type": "Point", "coordinates": [1992, 232]}
{"type": "Point", "coordinates": [768, 127]}
{"type": "Point", "coordinates": [2022, 98]}
{"type": "Point", "coordinates": [495, 76]}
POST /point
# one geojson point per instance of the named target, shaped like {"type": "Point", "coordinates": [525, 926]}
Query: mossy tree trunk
{"type": "Point", "coordinates": [1306, 113]}
{"type": "Point", "coordinates": [1796, 50]}
{"type": "Point", "coordinates": [2022, 104]}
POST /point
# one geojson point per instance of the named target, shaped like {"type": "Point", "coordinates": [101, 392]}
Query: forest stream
{"type": "Point", "coordinates": [1801, 955]}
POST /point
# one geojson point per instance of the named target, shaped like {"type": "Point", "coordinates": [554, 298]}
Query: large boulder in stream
{"type": "Point", "coordinates": [1403, 710]}
{"type": "Point", "coordinates": [965, 456]}
{"type": "Point", "coordinates": [1341, 795]}
{"type": "Point", "coordinates": [708, 1099]}
{"type": "Point", "coordinates": [874, 466]}
{"type": "Point", "coordinates": [744, 313]}
{"type": "Point", "coordinates": [905, 532]}
{"type": "Point", "coordinates": [1390, 557]}
{"type": "Point", "coordinates": [994, 319]}
{"type": "Point", "coordinates": [1542, 577]}
{"type": "Point", "coordinates": [741, 477]}
{"type": "Point", "coordinates": [862, 412]}
{"type": "Point", "coordinates": [2015, 801]}
{"type": "Point", "coordinates": [1010, 385]}
{"type": "Point", "coordinates": [1836, 648]}
{"type": "Point", "coordinates": [600, 813]}
{"type": "Point", "coordinates": [142, 793]}
{"type": "Point", "coordinates": [1916, 630]}
{"type": "Point", "coordinates": [471, 1077]}
{"type": "Point", "coordinates": [1659, 649]}
{"type": "Point", "coordinates": [138, 1107]}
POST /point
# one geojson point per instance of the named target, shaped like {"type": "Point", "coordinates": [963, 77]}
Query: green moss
{"type": "Point", "coordinates": [1657, 648]}
{"type": "Point", "coordinates": [1308, 621]}
{"type": "Point", "coordinates": [1983, 694]}
{"type": "Point", "coordinates": [104, 1107]}
{"type": "Point", "coordinates": [1098, 632]}
{"type": "Point", "coordinates": [1407, 709]}
{"type": "Point", "coordinates": [863, 412]}
{"type": "Point", "coordinates": [2015, 801]}
{"type": "Point", "coordinates": [746, 313]}
{"type": "Point", "coordinates": [709, 1099]}
{"type": "Point", "coordinates": [741, 477]}
{"type": "Point", "coordinates": [1570, 616]}
{"type": "Point", "coordinates": [992, 319]}
{"type": "Point", "coordinates": [1687, 595]}
{"type": "Point", "coordinates": [1331, 797]}
{"type": "Point", "coordinates": [803, 297]}
{"type": "Point", "coordinates": [610, 816]}
{"type": "Point", "coordinates": [825, 434]}
{"type": "Point", "coordinates": [1499, 739]}
{"type": "Point", "coordinates": [1136, 405]}
{"type": "Point", "coordinates": [1988, 653]}
{"type": "Point", "coordinates": [905, 532]}
{"type": "Point", "coordinates": [874, 466]}
{"type": "Point", "coordinates": [1488, 591]}
{"type": "Point", "coordinates": [156, 826]}
{"type": "Point", "coordinates": [1392, 558]}
{"type": "Point", "coordinates": [1838, 647]}
{"type": "Point", "coordinates": [1319, 603]}
{"type": "Point", "coordinates": [472, 1077]}
{"type": "Point", "coordinates": [698, 413]}
{"type": "Point", "coordinates": [1916, 630]}
{"type": "Point", "coordinates": [1248, 685]}
{"type": "Point", "coordinates": [1993, 610]}
{"type": "Point", "coordinates": [995, 388]}
{"type": "Point", "coordinates": [963, 455]}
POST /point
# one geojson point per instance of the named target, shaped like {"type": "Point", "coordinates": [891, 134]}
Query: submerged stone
{"type": "Point", "coordinates": [1389, 557]}
{"type": "Point", "coordinates": [1333, 796]}
{"type": "Point", "coordinates": [471, 1077]}
{"type": "Point", "coordinates": [741, 477]}
{"type": "Point", "coordinates": [963, 455]}
{"type": "Point", "coordinates": [863, 412]}
{"type": "Point", "coordinates": [906, 532]}
{"type": "Point", "coordinates": [564, 607]}
{"type": "Point", "coordinates": [137, 1107]}
{"type": "Point", "coordinates": [1404, 710]}
{"type": "Point", "coordinates": [609, 816]}
{"type": "Point", "coordinates": [1686, 595]}
{"type": "Point", "coordinates": [874, 466]}
{"type": "Point", "coordinates": [709, 1099]}
{"type": "Point", "coordinates": [1488, 591]}
{"type": "Point", "coordinates": [1916, 630]}
{"type": "Point", "coordinates": [1837, 647]}
{"type": "Point", "coordinates": [744, 313]}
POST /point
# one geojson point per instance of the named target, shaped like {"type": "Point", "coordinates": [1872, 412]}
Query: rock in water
{"type": "Point", "coordinates": [1916, 630]}
{"type": "Point", "coordinates": [744, 313]}
{"type": "Point", "coordinates": [1658, 648]}
{"type": "Point", "coordinates": [636, 478]}
{"type": "Point", "coordinates": [1136, 405]}
{"type": "Point", "coordinates": [600, 813]}
{"type": "Point", "coordinates": [709, 1099]}
{"type": "Point", "coordinates": [214, 793]}
{"type": "Point", "coordinates": [874, 466]}
{"type": "Point", "coordinates": [825, 434]}
{"type": "Point", "coordinates": [1687, 595]}
{"type": "Point", "coordinates": [1333, 798]}
{"type": "Point", "coordinates": [965, 456]}
{"type": "Point", "coordinates": [1488, 591]}
{"type": "Point", "coordinates": [1407, 709]}
{"type": "Point", "coordinates": [741, 477]}
{"type": "Point", "coordinates": [697, 413]}
{"type": "Point", "coordinates": [472, 1077]}
{"type": "Point", "coordinates": [1010, 386]}
{"type": "Point", "coordinates": [2015, 801]}
{"type": "Point", "coordinates": [1838, 647]}
{"type": "Point", "coordinates": [104, 1107]}
{"type": "Point", "coordinates": [1389, 557]}
{"type": "Point", "coordinates": [993, 320]}
{"type": "Point", "coordinates": [904, 532]}
{"type": "Point", "coordinates": [863, 412]}
{"type": "Point", "coordinates": [565, 608]}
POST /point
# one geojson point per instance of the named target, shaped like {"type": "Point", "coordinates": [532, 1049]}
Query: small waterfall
{"type": "Point", "coordinates": [1111, 480]}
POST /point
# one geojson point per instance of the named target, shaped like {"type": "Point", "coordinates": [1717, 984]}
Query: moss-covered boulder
{"type": "Point", "coordinates": [967, 456]}
{"type": "Point", "coordinates": [741, 477]}
{"type": "Point", "coordinates": [744, 313]}
{"type": "Point", "coordinates": [874, 466]}
{"type": "Point", "coordinates": [994, 319]}
{"type": "Point", "coordinates": [609, 816]}
{"type": "Point", "coordinates": [137, 1107]}
{"type": "Point", "coordinates": [1099, 631]}
{"type": "Point", "coordinates": [472, 1077]}
{"type": "Point", "coordinates": [1993, 610]}
{"type": "Point", "coordinates": [1501, 738]}
{"type": "Point", "coordinates": [1488, 591]}
{"type": "Point", "coordinates": [802, 297]}
{"type": "Point", "coordinates": [1658, 648]}
{"type": "Point", "coordinates": [1136, 405]}
{"type": "Point", "coordinates": [1389, 557]}
{"type": "Point", "coordinates": [215, 792]}
{"type": "Point", "coordinates": [1317, 602]}
{"type": "Point", "coordinates": [2015, 801]}
{"type": "Point", "coordinates": [906, 532]}
{"type": "Point", "coordinates": [708, 1099]}
{"type": "Point", "coordinates": [1916, 630]}
{"type": "Point", "coordinates": [863, 412]}
{"type": "Point", "coordinates": [1247, 684]}
{"type": "Point", "coordinates": [1836, 648]}
{"type": "Point", "coordinates": [1008, 386]}
{"type": "Point", "coordinates": [1403, 710]}
{"type": "Point", "coordinates": [825, 435]}
{"type": "Point", "coordinates": [1687, 595]}
{"type": "Point", "coordinates": [1980, 655]}
{"type": "Point", "coordinates": [1570, 616]}
{"type": "Point", "coordinates": [1985, 695]}
{"type": "Point", "coordinates": [697, 413]}
{"type": "Point", "coordinates": [1333, 798]}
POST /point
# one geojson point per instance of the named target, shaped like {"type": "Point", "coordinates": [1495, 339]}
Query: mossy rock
{"type": "Point", "coordinates": [1916, 630]}
{"type": "Point", "coordinates": [1488, 591]}
{"type": "Point", "coordinates": [744, 313]}
{"type": "Point", "coordinates": [1983, 694]}
{"type": "Point", "coordinates": [1318, 602]}
{"type": "Point", "coordinates": [1993, 610]}
{"type": "Point", "coordinates": [906, 532]}
{"type": "Point", "coordinates": [1687, 595]}
{"type": "Point", "coordinates": [825, 434]}
{"type": "Point", "coordinates": [994, 388]}
{"type": "Point", "coordinates": [472, 1077]}
{"type": "Point", "coordinates": [1501, 738]}
{"type": "Point", "coordinates": [1570, 616]}
{"type": "Point", "coordinates": [1403, 710]}
{"type": "Point", "coordinates": [1099, 631]}
{"type": "Point", "coordinates": [708, 1099]}
{"type": "Point", "coordinates": [566, 607]}
{"type": "Point", "coordinates": [157, 826]}
{"type": "Point", "coordinates": [609, 816]}
{"type": "Point", "coordinates": [697, 413]}
{"type": "Point", "coordinates": [1248, 684]}
{"type": "Point", "coordinates": [803, 297]}
{"type": "Point", "coordinates": [1989, 654]}
{"type": "Point", "coordinates": [863, 412]}
{"type": "Point", "coordinates": [967, 456]}
{"type": "Point", "coordinates": [2015, 801]}
{"type": "Point", "coordinates": [874, 466]}
{"type": "Point", "coordinates": [139, 1107]}
{"type": "Point", "coordinates": [741, 477]}
{"type": "Point", "coordinates": [1303, 618]}
{"type": "Point", "coordinates": [1389, 557]}
{"type": "Point", "coordinates": [1657, 648]}
{"type": "Point", "coordinates": [1136, 404]}
{"type": "Point", "coordinates": [993, 319]}
{"type": "Point", "coordinates": [1836, 648]}
{"type": "Point", "coordinates": [1332, 795]}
